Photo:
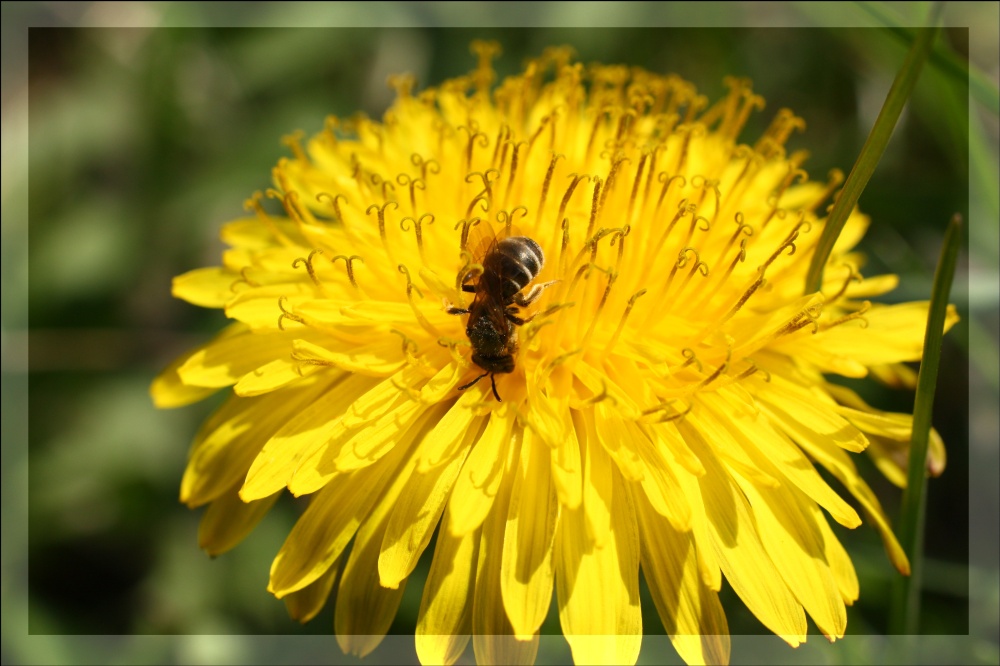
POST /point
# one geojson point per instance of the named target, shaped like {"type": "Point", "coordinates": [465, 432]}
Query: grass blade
{"type": "Point", "coordinates": [905, 608]}
{"type": "Point", "coordinates": [872, 151]}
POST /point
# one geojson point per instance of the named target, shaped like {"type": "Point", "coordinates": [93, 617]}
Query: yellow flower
{"type": "Point", "coordinates": [668, 398]}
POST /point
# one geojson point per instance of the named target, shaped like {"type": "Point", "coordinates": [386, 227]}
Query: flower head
{"type": "Point", "coordinates": [664, 400]}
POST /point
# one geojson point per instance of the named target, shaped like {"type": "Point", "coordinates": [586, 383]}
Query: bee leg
{"type": "Point", "coordinates": [469, 288]}
{"type": "Point", "coordinates": [511, 315]}
{"type": "Point", "coordinates": [493, 380]}
{"type": "Point", "coordinates": [532, 295]}
{"type": "Point", "coordinates": [473, 382]}
{"type": "Point", "coordinates": [458, 311]}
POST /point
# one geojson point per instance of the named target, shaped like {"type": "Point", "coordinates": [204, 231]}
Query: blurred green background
{"type": "Point", "coordinates": [139, 142]}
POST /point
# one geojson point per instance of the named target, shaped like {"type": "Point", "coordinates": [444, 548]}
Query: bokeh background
{"type": "Point", "coordinates": [125, 148]}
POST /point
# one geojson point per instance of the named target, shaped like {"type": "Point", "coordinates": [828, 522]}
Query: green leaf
{"type": "Point", "coordinates": [906, 591]}
{"type": "Point", "coordinates": [872, 151]}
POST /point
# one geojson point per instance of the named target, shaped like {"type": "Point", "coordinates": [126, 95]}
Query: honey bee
{"type": "Point", "coordinates": [509, 265]}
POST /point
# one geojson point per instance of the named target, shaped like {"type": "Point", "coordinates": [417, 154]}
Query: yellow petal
{"type": "Point", "coordinates": [741, 555]}
{"type": "Point", "coordinates": [169, 391]}
{"type": "Point", "coordinates": [801, 410]}
{"type": "Point", "coordinates": [619, 437]}
{"type": "Point", "coordinates": [279, 373]}
{"type": "Point", "coordinates": [480, 478]}
{"type": "Point", "coordinates": [492, 634]}
{"type": "Point", "coordinates": [894, 333]}
{"type": "Point", "coordinates": [840, 465]}
{"type": "Point", "coordinates": [423, 500]}
{"type": "Point", "coordinates": [228, 442]}
{"type": "Point", "coordinates": [791, 538]}
{"type": "Point", "coordinates": [526, 567]}
{"type": "Point", "coordinates": [328, 524]}
{"type": "Point", "coordinates": [225, 360]}
{"type": "Point", "coordinates": [597, 470]}
{"type": "Point", "coordinates": [305, 604]}
{"type": "Point", "coordinates": [378, 359]}
{"type": "Point", "coordinates": [260, 307]}
{"type": "Point", "coordinates": [567, 466]}
{"type": "Point", "coordinates": [228, 520]}
{"type": "Point", "coordinates": [660, 485]}
{"type": "Point", "coordinates": [836, 556]}
{"type": "Point", "coordinates": [771, 450]}
{"type": "Point", "coordinates": [206, 287]}
{"type": "Point", "coordinates": [450, 434]}
{"type": "Point", "coordinates": [691, 613]}
{"type": "Point", "coordinates": [364, 609]}
{"type": "Point", "coordinates": [445, 619]}
{"type": "Point", "coordinates": [707, 561]}
{"type": "Point", "coordinates": [598, 587]}
{"type": "Point", "coordinates": [365, 445]}
{"type": "Point", "coordinates": [311, 426]}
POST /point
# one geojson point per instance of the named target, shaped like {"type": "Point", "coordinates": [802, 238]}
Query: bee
{"type": "Point", "coordinates": [509, 265]}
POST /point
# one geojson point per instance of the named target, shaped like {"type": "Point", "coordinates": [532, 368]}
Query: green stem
{"type": "Point", "coordinates": [905, 610]}
{"type": "Point", "coordinates": [872, 151]}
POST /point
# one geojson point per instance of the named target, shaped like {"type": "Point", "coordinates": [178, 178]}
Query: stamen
{"type": "Point", "coordinates": [609, 182]}
{"type": "Point", "coordinates": [402, 84]}
{"type": "Point", "coordinates": [294, 142]}
{"type": "Point", "coordinates": [662, 407]}
{"type": "Point", "coordinates": [466, 227]}
{"type": "Point", "coordinates": [418, 228]}
{"type": "Point", "coordinates": [594, 206]}
{"type": "Point", "coordinates": [635, 186]}
{"type": "Point", "coordinates": [612, 277]}
{"type": "Point", "coordinates": [386, 185]}
{"type": "Point", "coordinates": [410, 288]}
{"type": "Point", "coordinates": [513, 171]}
{"type": "Point", "coordinates": [349, 262]}
{"type": "Point", "coordinates": [309, 266]}
{"type": "Point", "coordinates": [507, 219]}
{"type": "Point", "coordinates": [330, 124]}
{"type": "Point", "coordinates": [650, 171]}
{"type": "Point", "coordinates": [667, 182]}
{"type": "Point", "coordinates": [541, 127]}
{"type": "Point", "coordinates": [833, 180]}
{"type": "Point", "coordinates": [859, 315]}
{"type": "Point", "coordinates": [425, 166]}
{"type": "Point", "coordinates": [486, 195]}
{"type": "Point", "coordinates": [380, 211]}
{"type": "Point", "coordinates": [486, 50]}
{"type": "Point", "coordinates": [751, 290]}
{"type": "Point", "coordinates": [254, 204]}
{"type": "Point", "coordinates": [452, 346]}
{"type": "Point", "coordinates": [718, 371]}
{"type": "Point", "coordinates": [602, 396]}
{"type": "Point", "coordinates": [413, 183]}
{"type": "Point", "coordinates": [852, 276]}
{"type": "Point", "coordinates": [691, 357]}
{"type": "Point", "coordinates": [598, 117]}
{"type": "Point", "coordinates": [502, 135]}
{"type": "Point", "coordinates": [334, 202]}
{"type": "Point", "coordinates": [285, 314]}
{"type": "Point", "coordinates": [474, 134]}
{"type": "Point", "coordinates": [620, 239]}
{"type": "Point", "coordinates": [547, 182]}
{"type": "Point", "coordinates": [410, 347]}
{"type": "Point", "coordinates": [621, 323]}
{"type": "Point", "coordinates": [244, 279]}
{"type": "Point", "coordinates": [569, 192]}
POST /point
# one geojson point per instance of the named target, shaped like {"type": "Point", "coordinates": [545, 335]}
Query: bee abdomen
{"type": "Point", "coordinates": [519, 259]}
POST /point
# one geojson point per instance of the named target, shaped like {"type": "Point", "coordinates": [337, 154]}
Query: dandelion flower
{"type": "Point", "coordinates": [668, 403]}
